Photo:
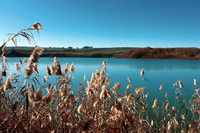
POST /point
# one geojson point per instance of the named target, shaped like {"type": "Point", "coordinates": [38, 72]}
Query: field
{"type": "Point", "coordinates": [65, 52]}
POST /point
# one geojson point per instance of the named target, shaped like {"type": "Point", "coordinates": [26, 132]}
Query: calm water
{"type": "Point", "coordinates": [158, 72]}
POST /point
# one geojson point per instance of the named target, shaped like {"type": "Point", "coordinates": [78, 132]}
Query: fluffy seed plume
{"type": "Point", "coordinates": [142, 72]}
{"type": "Point", "coordinates": [34, 57]}
{"type": "Point", "coordinates": [72, 68]}
{"type": "Point", "coordinates": [155, 104]}
{"type": "Point", "coordinates": [129, 79]}
{"type": "Point", "coordinates": [37, 26]}
{"type": "Point", "coordinates": [8, 82]}
{"type": "Point", "coordinates": [104, 63]}
{"type": "Point", "coordinates": [103, 94]}
{"type": "Point", "coordinates": [195, 82]}
{"type": "Point", "coordinates": [167, 106]}
{"type": "Point", "coordinates": [80, 109]}
{"type": "Point", "coordinates": [180, 84]}
{"type": "Point", "coordinates": [129, 86]}
{"type": "Point", "coordinates": [161, 87]}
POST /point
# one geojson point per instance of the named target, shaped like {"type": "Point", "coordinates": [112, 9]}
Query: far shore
{"type": "Point", "coordinates": [115, 52]}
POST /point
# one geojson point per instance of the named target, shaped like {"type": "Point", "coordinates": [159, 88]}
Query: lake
{"type": "Point", "coordinates": [157, 71]}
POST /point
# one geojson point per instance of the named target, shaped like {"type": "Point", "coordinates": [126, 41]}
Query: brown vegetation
{"type": "Point", "coordinates": [162, 53]}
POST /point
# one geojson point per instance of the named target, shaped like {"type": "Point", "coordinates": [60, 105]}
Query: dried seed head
{"type": "Point", "coordinates": [24, 61]}
{"type": "Point", "coordinates": [103, 94]}
{"type": "Point", "coordinates": [34, 57]}
{"type": "Point", "coordinates": [197, 91]}
{"type": "Point", "coordinates": [152, 123]}
{"type": "Point", "coordinates": [38, 95]}
{"type": "Point", "coordinates": [104, 63]}
{"type": "Point", "coordinates": [17, 68]}
{"type": "Point", "coordinates": [161, 87]}
{"type": "Point", "coordinates": [72, 68]}
{"type": "Point", "coordinates": [183, 116]}
{"type": "Point", "coordinates": [167, 106]}
{"type": "Point", "coordinates": [155, 104]}
{"type": "Point", "coordinates": [37, 26]}
{"type": "Point", "coordinates": [95, 104]}
{"type": "Point", "coordinates": [35, 68]}
{"type": "Point", "coordinates": [28, 72]}
{"type": "Point", "coordinates": [130, 97]}
{"type": "Point", "coordinates": [180, 84]}
{"type": "Point", "coordinates": [48, 70]}
{"type": "Point", "coordinates": [166, 94]}
{"type": "Point", "coordinates": [8, 82]}
{"type": "Point", "coordinates": [80, 109]}
{"type": "Point", "coordinates": [129, 79]}
{"type": "Point", "coordinates": [173, 110]}
{"type": "Point", "coordinates": [195, 82]}
{"type": "Point", "coordinates": [139, 90]}
{"type": "Point", "coordinates": [142, 72]}
{"type": "Point", "coordinates": [169, 126]}
{"type": "Point", "coordinates": [129, 86]}
{"type": "Point", "coordinates": [147, 95]}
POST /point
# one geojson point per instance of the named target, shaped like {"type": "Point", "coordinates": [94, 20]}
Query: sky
{"type": "Point", "coordinates": [104, 23]}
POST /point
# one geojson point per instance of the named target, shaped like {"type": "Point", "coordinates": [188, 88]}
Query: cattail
{"type": "Point", "coordinates": [155, 104]}
{"type": "Point", "coordinates": [34, 57]}
{"type": "Point", "coordinates": [180, 84]}
{"type": "Point", "coordinates": [17, 68]}
{"type": "Point", "coordinates": [129, 79]}
{"type": "Point", "coordinates": [167, 106]}
{"type": "Point", "coordinates": [129, 86]}
{"type": "Point", "coordinates": [72, 68]}
{"type": "Point", "coordinates": [104, 63]}
{"type": "Point", "coordinates": [195, 82]}
{"type": "Point", "coordinates": [8, 82]}
{"type": "Point", "coordinates": [173, 110]}
{"type": "Point", "coordinates": [142, 72]}
{"type": "Point", "coordinates": [48, 70]}
{"type": "Point", "coordinates": [103, 94]}
{"type": "Point", "coordinates": [161, 87]}
{"type": "Point", "coordinates": [80, 109]}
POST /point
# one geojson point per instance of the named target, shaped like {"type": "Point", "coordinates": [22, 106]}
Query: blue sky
{"type": "Point", "coordinates": [104, 23]}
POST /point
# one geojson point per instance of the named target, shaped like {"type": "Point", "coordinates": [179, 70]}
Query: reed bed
{"type": "Point", "coordinates": [96, 107]}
